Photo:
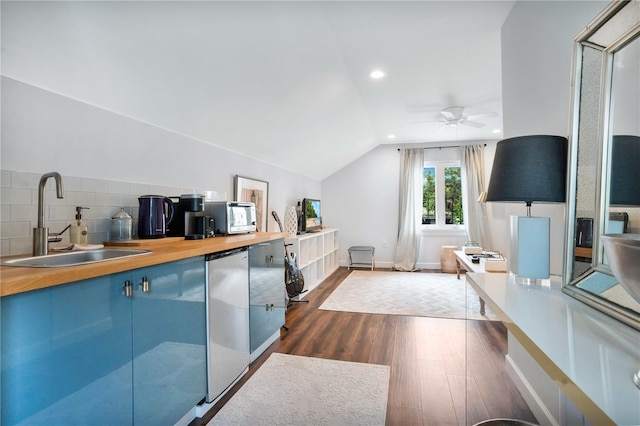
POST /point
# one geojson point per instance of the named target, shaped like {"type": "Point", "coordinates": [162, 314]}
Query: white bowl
{"type": "Point", "coordinates": [623, 255]}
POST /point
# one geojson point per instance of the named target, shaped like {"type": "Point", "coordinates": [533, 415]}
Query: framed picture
{"type": "Point", "coordinates": [257, 192]}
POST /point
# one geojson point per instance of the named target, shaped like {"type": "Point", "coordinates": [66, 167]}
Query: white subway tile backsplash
{"type": "Point", "coordinates": [60, 213]}
{"type": "Point", "coordinates": [20, 246]}
{"type": "Point", "coordinates": [105, 199]}
{"type": "Point", "coordinates": [19, 196]}
{"type": "Point", "coordinates": [72, 183]}
{"type": "Point", "coordinates": [15, 229]}
{"type": "Point", "coordinates": [5, 178]}
{"type": "Point", "coordinates": [101, 212]}
{"type": "Point", "coordinates": [15, 196]}
{"type": "Point", "coordinates": [23, 213]}
{"type": "Point", "coordinates": [138, 189]}
{"type": "Point", "coordinates": [94, 185]}
{"type": "Point", "coordinates": [118, 188]}
{"type": "Point", "coordinates": [5, 213]}
{"type": "Point", "coordinates": [50, 198]}
{"type": "Point", "coordinates": [98, 238]}
{"type": "Point", "coordinates": [103, 226]}
{"type": "Point", "coordinates": [26, 180]}
{"type": "Point", "coordinates": [83, 199]}
{"type": "Point", "coordinates": [5, 249]}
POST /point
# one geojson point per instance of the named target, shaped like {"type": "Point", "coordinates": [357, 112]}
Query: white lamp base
{"type": "Point", "coordinates": [529, 249]}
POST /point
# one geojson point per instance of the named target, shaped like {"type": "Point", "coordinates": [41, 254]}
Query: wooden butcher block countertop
{"type": "Point", "coordinates": [15, 279]}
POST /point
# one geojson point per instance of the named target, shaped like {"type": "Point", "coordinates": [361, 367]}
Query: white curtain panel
{"type": "Point", "coordinates": [410, 218]}
{"type": "Point", "coordinates": [475, 212]}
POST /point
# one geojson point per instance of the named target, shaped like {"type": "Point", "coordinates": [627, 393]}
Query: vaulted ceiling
{"type": "Point", "coordinates": [284, 82]}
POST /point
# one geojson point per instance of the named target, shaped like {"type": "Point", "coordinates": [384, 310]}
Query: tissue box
{"type": "Point", "coordinates": [472, 250]}
{"type": "Point", "coordinates": [495, 264]}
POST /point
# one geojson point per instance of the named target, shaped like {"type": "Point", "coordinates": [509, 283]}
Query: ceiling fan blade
{"type": "Point", "coordinates": [439, 127]}
{"type": "Point", "coordinates": [475, 124]}
{"type": "Point", "coordinates": [448, 115]}
{"type": "Point", "coordinates": [483, 115]}
{"type": "Point", "coordinates": [426, 121]}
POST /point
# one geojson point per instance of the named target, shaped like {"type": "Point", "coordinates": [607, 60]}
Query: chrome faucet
{"type": "Point", "coordinates": [41, 236]}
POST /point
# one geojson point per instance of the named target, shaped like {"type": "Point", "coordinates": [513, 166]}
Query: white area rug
{"type": "Point", "coordinates": [407, 293]}
{"type": "Point", "coordinates": [298, 390]}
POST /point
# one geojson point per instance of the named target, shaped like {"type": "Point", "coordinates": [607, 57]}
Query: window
{"type": "Point", "coordinates": [442, 193]}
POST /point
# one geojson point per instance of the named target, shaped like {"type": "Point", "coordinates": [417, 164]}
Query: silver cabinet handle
{"type": "Point", "coordinates": [145, 285]}
{"type": "Point", "coordinates": [127, 288]}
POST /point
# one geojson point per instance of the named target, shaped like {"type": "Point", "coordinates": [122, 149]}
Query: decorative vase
{"type": "Point", "coordinates": [291, 221]}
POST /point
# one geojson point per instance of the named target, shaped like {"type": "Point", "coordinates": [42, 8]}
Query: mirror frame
{"type": "Point", "coordinates": [616, 32]}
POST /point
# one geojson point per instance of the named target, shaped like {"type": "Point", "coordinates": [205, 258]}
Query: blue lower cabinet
{"type": "Point", "coordinates": [66, 355]}
{"type": "Point", "coordinates": [169, 341]}
{"type": "Point", "coordinates": [266, 291]}
{"type": "Point", "coordinates": [89, 353]}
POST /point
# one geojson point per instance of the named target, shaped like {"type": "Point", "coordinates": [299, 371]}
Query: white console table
{"type": "Point", "coordinates": [589, 355]}
{"type": "Point", "coordinates": [462, 261]}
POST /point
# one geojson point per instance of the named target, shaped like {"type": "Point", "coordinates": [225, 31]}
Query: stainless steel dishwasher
{"type": "Point", "coordinates": [228, 353]}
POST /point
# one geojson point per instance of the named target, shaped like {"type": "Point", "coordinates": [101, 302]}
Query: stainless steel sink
{"type": "Point", "coordinates": [73, 258]}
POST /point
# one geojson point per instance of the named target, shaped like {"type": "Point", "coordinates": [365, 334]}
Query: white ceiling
{"type": "Point", "coordinates": [284, 82]}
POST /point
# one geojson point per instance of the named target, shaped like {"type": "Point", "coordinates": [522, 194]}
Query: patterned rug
{"type": "Point", "coordinates": [407, 293]}
{"type": "Point", "coordinates": [298, 390]}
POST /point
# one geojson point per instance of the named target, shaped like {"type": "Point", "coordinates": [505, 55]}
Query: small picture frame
{"type": "Point", "coordinates": [256, 191]}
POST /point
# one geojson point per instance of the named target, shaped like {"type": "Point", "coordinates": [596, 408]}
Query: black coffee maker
{"type": "Point", "coordinates": [190, 221]}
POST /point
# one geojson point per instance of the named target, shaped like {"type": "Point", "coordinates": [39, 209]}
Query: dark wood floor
{"type": "Point", "coordinates": [443, 371]}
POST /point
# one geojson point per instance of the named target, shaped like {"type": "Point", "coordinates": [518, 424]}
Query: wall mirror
{"type": "Point", "coordinates": [606, 120]}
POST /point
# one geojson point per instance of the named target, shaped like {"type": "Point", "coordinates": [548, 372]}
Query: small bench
{"type": "Point", "coordinates": [362, 250]}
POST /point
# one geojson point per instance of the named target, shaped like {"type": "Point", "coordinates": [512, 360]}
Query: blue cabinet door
{"type": "Point", "coordinates": [266, 291]}
{"type": "Point", "coordinates": [169, 341]}
{"type": "Point", "coordinates": [66, 354]}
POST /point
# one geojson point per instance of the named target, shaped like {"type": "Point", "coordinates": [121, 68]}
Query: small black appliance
{"type": "Point", "coordinates": [154, 214]}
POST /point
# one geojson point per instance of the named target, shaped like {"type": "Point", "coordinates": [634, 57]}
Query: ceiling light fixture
{"type": "Point", "coordinates": [377, 74]}
{"type": "Point", "coordinates": [391, 136]}
{"type": "Point", "coordinates": [496, 131]}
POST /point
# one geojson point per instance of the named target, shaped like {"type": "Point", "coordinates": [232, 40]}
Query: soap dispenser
{"type": "Point", "coordinates": [79, 232]}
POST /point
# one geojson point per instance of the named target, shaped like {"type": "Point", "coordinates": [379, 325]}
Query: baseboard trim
{"type": "Point", "coordinates": [535, 403]}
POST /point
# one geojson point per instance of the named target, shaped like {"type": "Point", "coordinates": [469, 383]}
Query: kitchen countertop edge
{"type": "Point", "coordinates": [14, 280]}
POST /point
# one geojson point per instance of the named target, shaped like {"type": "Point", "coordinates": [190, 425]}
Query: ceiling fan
{"type": "Point", "coordinates": [454, 115]}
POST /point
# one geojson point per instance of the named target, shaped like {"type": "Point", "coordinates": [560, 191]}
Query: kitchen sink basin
{"type": "Point", "coordinates": [73, 258]}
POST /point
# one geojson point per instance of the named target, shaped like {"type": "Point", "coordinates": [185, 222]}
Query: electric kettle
{"type": "Point", "coordinates": [154, 214]}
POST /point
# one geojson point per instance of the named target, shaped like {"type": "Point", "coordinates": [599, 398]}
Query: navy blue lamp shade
{"type": "Point", "coordinates": [528, 169]}
{"type": "Point", "coordinates": [625, 171]}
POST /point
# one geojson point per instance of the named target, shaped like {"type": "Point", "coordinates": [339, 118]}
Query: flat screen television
{"type": "Point", "coordinates": [311, 217]}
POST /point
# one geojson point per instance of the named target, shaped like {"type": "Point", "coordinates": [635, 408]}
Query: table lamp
{"type": "Point", "coordinates": [527, 169]}
{"type": "Point", "coordinates": [625, 171]}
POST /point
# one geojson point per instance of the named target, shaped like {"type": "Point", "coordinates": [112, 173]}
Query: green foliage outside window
{"type": "Point", "coordinates": [452, 195]}
{"type": "Point", "coordinates": [429, 196]}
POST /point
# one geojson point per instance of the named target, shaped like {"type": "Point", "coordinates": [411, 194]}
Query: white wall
{"type": "Point", "coordinates": [537, 49]}
{"type": "Point", "coordinates": [362, 200]}
{"type": "Point", "coordinates": [43, 131]}
{"type": "Point", "coordinates": [537, 46]}
{"type": "Point", "coordinates": [537, 42]}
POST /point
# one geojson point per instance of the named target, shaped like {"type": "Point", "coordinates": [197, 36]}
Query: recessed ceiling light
{"type": "Point", "coordinates": [391, 136]}
{"type": "Point", "coordinates": [377, 74]}
{"type": "Point", "coordinates": [497, 130]}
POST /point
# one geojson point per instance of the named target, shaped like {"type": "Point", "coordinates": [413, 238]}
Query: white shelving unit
{"type": "Point", "coordinates": [317, 254]}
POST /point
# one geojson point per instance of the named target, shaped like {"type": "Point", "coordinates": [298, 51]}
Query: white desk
{"type": "Point", "coordinates": [462, 261]}
{"type": "Point", "coordinates": [589, 355]}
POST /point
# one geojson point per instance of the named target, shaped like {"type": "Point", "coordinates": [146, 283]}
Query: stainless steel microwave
{"type": "Point", "coordinates": [231, 217]}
